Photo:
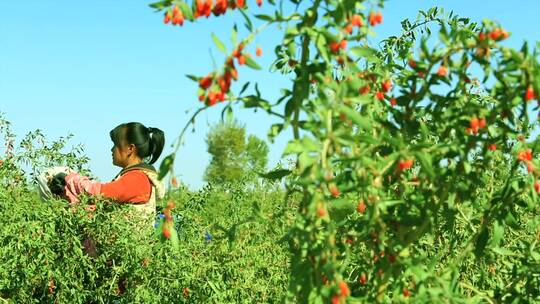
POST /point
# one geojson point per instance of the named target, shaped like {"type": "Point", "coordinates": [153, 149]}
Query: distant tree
{"type": "Point", "coordinates": [233, 157]}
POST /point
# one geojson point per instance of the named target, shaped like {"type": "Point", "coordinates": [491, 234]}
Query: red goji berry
{"type": "Point", "coordinates": [387, 85]}
{"type": "Point", "coordinates": [345, 292]}
{"type": "Point", "coordinates": [357, 20]}
{"type": "Point", "coordinates": [361, 207]}
{"type": "Point", "coordinates": [442, 71]}
{"type": "Point", "coordinates": [529, 94]}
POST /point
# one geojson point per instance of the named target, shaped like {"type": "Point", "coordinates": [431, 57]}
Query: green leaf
{"type": "Point", "coordinates": [363, 52]}
{"type": "Point", "coordinates": [161, 4]}
{"type": "Point", "coordinates": [165, 166]}
{"type": "Point", "coordinates": [234, 35]}
{"type": "Point", "coordinates": [425, 161]}
{"type": "Point", "coordinates": [251, 63]}
{"type": "Point", "coordinates": [362, 122]}
{"type": "Point", "coordinates": [264, 17]}
{"type": "Point", "coordinates": [276, 174]}
{"type": "Point", "coordinates": [193, 77]}
{"type": "Point", "coordinates": [244, 88]}
{"type": "Point", "coordinates": [219, 44]}
{"type": "Point", "coordinates": [248, 24]}
{"type": "Point", "coordinates": [481, 242]}
{"type": "Point", "coordinates": [186, 11]}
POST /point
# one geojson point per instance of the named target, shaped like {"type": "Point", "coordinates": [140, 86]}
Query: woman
{"type": "Point", "coordinates": [135, 149]}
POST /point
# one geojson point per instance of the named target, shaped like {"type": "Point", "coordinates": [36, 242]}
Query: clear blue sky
{"type": "Point", "coordinates": [83, 67]}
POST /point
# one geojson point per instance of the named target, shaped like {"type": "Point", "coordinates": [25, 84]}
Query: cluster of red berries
{"type": "Point", "coordinates": [475, 125]}
{"type": "Point", "coordinates": [335, 46]}
{"type": "Point", "coordinates": [526, 157]}
{"type": "Point", "coordinates": [217, 86]}
{"type": "Point", "coordinates": [405, 164]}
{"type": "Point", "coordinates": [496, 34]}
{"type": "Point", "coordinates": [375, 18]}
{"type": "Point", "coordinates": [176, 16]}
{"type": "Point", "coordinates": [344, 292]}
{"type": "Point", "coordinates": [355, 21]}
{"type": "Point", "coordinates": [205, 8]}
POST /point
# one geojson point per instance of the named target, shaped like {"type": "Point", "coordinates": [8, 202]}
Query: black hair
{"type": "Point", "coordinates": [149, 141]}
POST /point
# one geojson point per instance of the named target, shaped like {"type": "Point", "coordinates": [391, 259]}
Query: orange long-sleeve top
{"type": "Point", "coordinates": [132, 187]}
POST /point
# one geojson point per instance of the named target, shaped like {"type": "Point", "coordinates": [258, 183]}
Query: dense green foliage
{"type": "Point", "coordinates": [229, 252]}
{"type": "Point", "coordinates": [234, 157]}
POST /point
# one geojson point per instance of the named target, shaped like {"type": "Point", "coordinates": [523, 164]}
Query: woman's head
{"type": "Point", "coordinates": [133, 142]}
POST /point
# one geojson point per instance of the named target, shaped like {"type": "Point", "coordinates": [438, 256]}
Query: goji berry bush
{"type": "Point", "coordinates": [53, 252]}
{"type": "Point", "coordinates": [415, 158]}
{"type": "Point", "coordinates": [415, 180]}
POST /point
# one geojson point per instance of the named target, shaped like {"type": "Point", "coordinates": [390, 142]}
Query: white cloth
{"type": "Point", "coordinates": [45, 177]}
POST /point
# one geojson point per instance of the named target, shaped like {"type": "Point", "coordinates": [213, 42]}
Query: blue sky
{"type": "Point", "coordinates": [83, 67]}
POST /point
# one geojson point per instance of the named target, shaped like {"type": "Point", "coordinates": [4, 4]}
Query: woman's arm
{"type": "Point", "coordinates": [132, 187]}
{"type": "Point", "coordinates": [77, 184]}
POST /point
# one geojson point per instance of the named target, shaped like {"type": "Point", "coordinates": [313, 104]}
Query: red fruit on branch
{"type": "Point", "coordinates": [498, 34]}
{"type": "Point", "coordinates": [406, 292]}
{"type": "Point", "coordinates": [348, 29]}
{"type": "Point", "coordinates": [241, 60]}
{"type": "Point", "coordinates": [258, 51]}
{"type": "Point", "coordinates": [321, 212]}
{"type": "Point", "coordinates": [379, 95]}
{"type": "Point", "coordinates": [529, 94]}
{"type": "Point", "coordinates": [482, 123]}
{"type": "Point", "coordinates": [537, 186]}
{"type": "Point", "coordinates": [393, 102]}
{"type": "Point", "coordinates": [361, 208]}
{"type": "Point", "coordinates": [357, 20]}
{"type": "Point", "coordinates": [166, 233]}
{"type": "Point", "coordinates": [492, 147]}
{"type": "Point", "coordinates": [334, 191]}
{"type": "Point", "coordinates": [412, 63]}
{"type": "Point", "coordinates": [474, 125]}
{"type": "Point", "coordinates": [167, 18]}
{"type": "Point", "coordinates": [405, 164]}
{"type": "Point", "coordinates": [259, 2]}
{"type": "Point", "coordinates": [525, 155]}
{"type": "Point", "coordinates": [387, 85]}
{"type": "Point", "coordinates": [363, 279]}
{"type": "Point", "coordinates": [212, 98]}
{"type": "Point", "coordinates": [365, 89]}
{"type": "Point", "coordinates": [208, 8]}
{"type": "Point", "coordinates": [344, 289]}
{"type": "Point", "coordinates": [375, 18]}
{"type": "Point", "coordinates": [372, 19]}
{"type": "Point", "coordinates": [174, 182]}
{"type": "Point", "coordinates": [343, 44]}
{"type": "Point", "coordinates": [334, 47]}
{"type": "Point", "coordinates": [442, 71]}
{"type": "Point", "coordinates": [378, 17]}
{"type": "Point", "coordinates": [206, 82]}
{"type": "Point", "coordinates": [178, 19]}
{"type": "Point", "coordinates": [481, 36]}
